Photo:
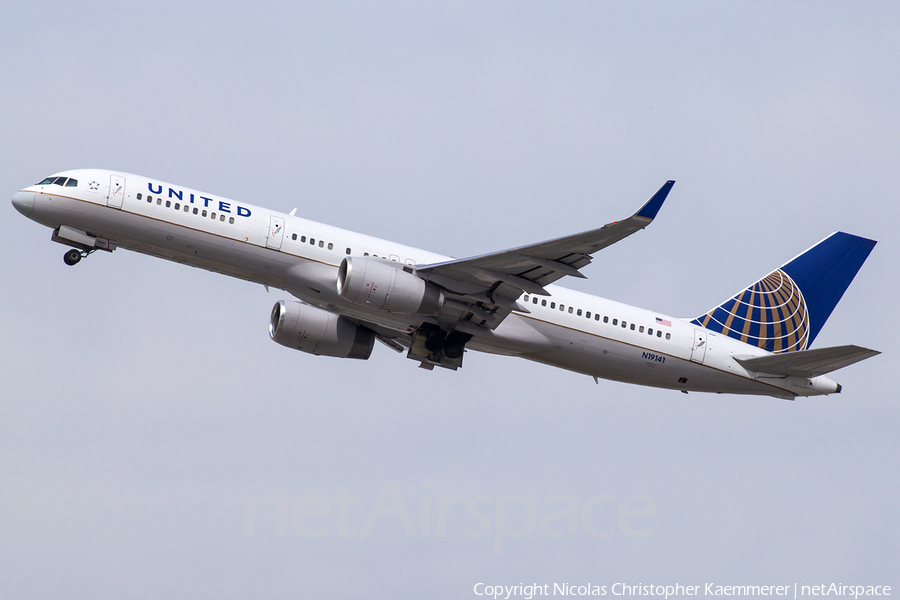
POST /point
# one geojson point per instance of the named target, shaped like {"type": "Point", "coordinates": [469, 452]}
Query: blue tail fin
{"type": "Point", "coordinates": [786, 309]}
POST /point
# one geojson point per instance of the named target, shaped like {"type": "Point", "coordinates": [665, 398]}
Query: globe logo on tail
{"type": "Point", "coordinates": [770, 314]}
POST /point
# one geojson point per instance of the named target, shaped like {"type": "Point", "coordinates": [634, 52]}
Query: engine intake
{"type": "Point", "coordinates": [382, 285]}
{"type": "Point", "coordinates": [316, 331]}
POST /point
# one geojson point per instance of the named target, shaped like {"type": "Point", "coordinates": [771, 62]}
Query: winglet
{"type": "Point", "coordinates": [652, 206]}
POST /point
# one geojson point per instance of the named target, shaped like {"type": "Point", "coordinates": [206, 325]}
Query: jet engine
{"type": "Point", "coordinates": [316, 331]}
{"type": "Point", "coordinates": [382, 285]}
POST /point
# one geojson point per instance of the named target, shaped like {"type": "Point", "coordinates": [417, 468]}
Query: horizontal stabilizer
{"type": "Point", "coordinates": [808, 363]}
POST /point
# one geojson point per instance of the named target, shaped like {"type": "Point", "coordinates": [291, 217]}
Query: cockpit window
{"type": "Point", "coordinates": [64, 181]}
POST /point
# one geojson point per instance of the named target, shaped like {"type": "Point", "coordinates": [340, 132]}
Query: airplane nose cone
{"type": "Point", "coordinates": [24, 202]}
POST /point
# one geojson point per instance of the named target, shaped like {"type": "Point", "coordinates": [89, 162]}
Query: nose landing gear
{"type": "Point", "coordinates": [82, 243]}
{"type": "Point", "coordinates": [72, 257]}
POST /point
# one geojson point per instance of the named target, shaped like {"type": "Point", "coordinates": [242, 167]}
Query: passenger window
{"type": "Point", "coordinates": [615, 321]}
{"type": "Point", "coordinates": [624, 324]}
{"type": "Point", "coordinates": [650, 331]}
{"type": "Point", "coordinates": [562, 307]}
{"type": "Point", "coordinates": [534, 300]}
{"type": "Point", "coordinates": [303, 238]}
{"type": "Point", "coordinates": [312, 241]}
{"type": "Point", "coordinates": [543, 302]}
{"type": "Point", "coordinates": [230, 219]}
{"type": "Point", "coordinates": [159, 201]}
{"type": "Point", "coordinates": [571, 310]}
{"type": "Point", "coordinates": [150, 199]}
{"type": "Point", "coordinates": [321, 244]}
{"type": "Point", "coordinates": [632, 326]}
{"type": "Point", "coordinates": [597, 317]}
{"type": "Point", "coordinates": [641, 330]}
{"type": "Point", "coordinates": [196, 211]}
{"type": "Point", "coordinates": [177, 206]}
{"type": "Point", "coordinates": [553, 305]}
{"type": "Point", "coordinates": [348, 251]}
{"type": "Point", "coordinates": [659, 333]}
{"type": "Point", "coordinates": [168, 204]}
{"type": "Point", "coordinates": [74, 183]}
{"type": "Point", "coordinates": [187, 208]}
{"type": "Point", "coordinates": [140, 196]}
{"type": "Point", "coordinates": [222, 218]}
{"type": "Point", "coordinates": [294, 237]}
{"type": "Point", "coordinates": [330, 246]}
{"type": "Point", "coordinates": [204, 213]}
{"type": "Point", "coordinates": [588, 314]}
{"type": "Point", "coordinates": [213, 216]}
{"type": "Point", "coordinates": [579, 313]}
{"type": "Point", "coordinates": [526, 297]}
{"type": "Point", "coordinates": [668, 336]}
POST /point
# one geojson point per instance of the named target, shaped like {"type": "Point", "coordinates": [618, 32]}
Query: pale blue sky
{"type": "Point", "coordinates": [143, 403]}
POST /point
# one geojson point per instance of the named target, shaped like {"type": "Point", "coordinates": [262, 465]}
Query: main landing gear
{"type": "Point", "coordinates": [451, 343]}
{"type": "Point", "coordinates": [433, 346]}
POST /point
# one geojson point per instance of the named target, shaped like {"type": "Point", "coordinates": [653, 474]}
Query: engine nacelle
{"type": "Point", "coordinates": [316, 331]}
{"type": "Point", "coordinates": [385, 286]}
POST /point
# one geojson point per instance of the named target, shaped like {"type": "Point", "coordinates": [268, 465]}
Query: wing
{"type": "Point", "coordinates": [493, 281]}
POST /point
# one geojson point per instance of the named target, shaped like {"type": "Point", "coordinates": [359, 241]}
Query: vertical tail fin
{"type": "Point", "coordinates": [785, 310]}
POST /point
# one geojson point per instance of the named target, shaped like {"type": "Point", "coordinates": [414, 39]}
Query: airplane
{"type": "Point", "coordinates": [350, 290]}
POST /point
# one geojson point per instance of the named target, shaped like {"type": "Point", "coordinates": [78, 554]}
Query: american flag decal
{"type": "Point", "coordinates": [665, 322]}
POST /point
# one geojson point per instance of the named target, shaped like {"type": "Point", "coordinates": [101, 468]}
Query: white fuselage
{"type": "Point", "coordinates": [302, 256]}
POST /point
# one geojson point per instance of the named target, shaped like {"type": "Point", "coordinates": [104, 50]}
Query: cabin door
{"type": "Point", "coordinates": [116, 193]}
{"type": "Point", "coordinates": [698, 353]}
{"type": "Point", "coordinates": [276, 233]}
